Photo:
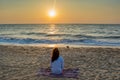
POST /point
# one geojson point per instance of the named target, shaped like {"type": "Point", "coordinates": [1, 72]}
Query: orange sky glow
{"type": "Point", "coordinates": [66, 11]}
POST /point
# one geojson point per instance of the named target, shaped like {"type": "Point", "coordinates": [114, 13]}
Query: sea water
{"type": "Point", "coordinates": [66, 34]}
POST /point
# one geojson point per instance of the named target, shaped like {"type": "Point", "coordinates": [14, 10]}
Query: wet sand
{"type": "Point", "coordinates": [23, 62]}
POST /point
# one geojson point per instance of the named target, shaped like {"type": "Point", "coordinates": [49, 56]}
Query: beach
{"type": "Point", "coordinates": [94, 63]}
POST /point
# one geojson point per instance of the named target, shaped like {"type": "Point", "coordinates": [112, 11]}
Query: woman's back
{"type": "Point", "coordinates": [57, 65]}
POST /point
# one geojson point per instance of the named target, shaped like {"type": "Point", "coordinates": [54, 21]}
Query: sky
{"type": "Point", "coordinates": [67, 11]}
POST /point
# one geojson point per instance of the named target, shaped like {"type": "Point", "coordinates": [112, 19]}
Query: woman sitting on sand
{"type": "Point", "coordinates": [57, 62]}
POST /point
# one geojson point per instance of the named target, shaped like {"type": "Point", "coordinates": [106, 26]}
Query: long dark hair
{"type": "Point", "coordinates": [55, 54]}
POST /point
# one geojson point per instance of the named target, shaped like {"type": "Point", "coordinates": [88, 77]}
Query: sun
{"type": "Point", "coordinates": [52, 13]}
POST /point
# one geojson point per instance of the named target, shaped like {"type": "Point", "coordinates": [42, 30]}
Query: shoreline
{"type": "Point", "coordinates": [59, 45]}
{"type": "Point", "coordinates": [94, 63]}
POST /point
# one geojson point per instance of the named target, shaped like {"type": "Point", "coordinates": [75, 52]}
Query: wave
{"type": "Point", "coordinates": [97, 37]}
{"type": "Point", "coordinates": [58, 35]}
{"type": "Point", "coordinates": [33, 33]}
{"type": "Point", "coordinates": [30, 40]}
{"type": "Point", "coordinates": [59, 41]}
{"type": "Point", "coordinates": [45, 34]}
{"type": "Point", "coordinates": [76, 36]}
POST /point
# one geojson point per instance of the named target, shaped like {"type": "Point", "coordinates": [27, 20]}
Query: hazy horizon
{"type": "Point", "coordinates": [61, 23]}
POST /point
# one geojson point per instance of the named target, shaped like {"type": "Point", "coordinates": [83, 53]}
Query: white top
{"type": "Point", "coordinates": [57, 65]}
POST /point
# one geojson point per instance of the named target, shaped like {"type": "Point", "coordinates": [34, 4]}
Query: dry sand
{"type": "Point", "coordinates": [23, 62]}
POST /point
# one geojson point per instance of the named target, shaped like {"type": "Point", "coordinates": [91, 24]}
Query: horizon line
{"type": "Point", "coordinates": [62, 23]}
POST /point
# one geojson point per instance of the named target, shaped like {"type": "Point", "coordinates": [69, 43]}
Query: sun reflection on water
{"type": "Point", "coordinates": [52, 29]}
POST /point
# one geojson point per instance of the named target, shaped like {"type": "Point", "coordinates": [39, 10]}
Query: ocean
{"type": "Point", "coordinates": [60, 34]}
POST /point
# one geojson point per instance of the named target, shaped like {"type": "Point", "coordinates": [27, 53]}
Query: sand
{"type": "Point", "coordinates": [23, 62]}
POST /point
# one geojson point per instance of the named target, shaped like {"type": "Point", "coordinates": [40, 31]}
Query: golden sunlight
{"type": "Point", "coordinates": [52, 13]}
{"type": "Point", "coordinates": [52, 45]}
